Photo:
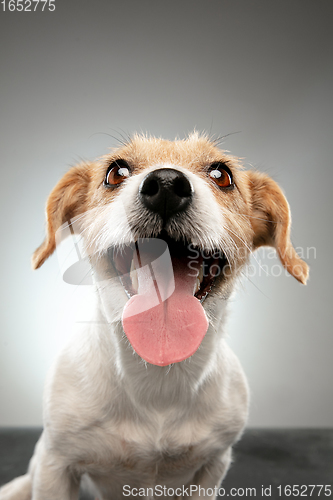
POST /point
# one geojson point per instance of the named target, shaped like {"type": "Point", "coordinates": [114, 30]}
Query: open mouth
{"type": "Point", "coordinates": [166, 282]}
{"type": "Point", "coordinates": [206, 266]}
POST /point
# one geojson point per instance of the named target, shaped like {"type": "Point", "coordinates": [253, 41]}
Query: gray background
{"type": "Point", "coordinates": [260, 68]}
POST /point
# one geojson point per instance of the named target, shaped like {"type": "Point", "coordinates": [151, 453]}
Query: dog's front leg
{"type": "Point", "coordinates": [47, 479]}
{"type": "Point", "coordinates": [51, 482]}
{"type": "Point", "coordinates": [208, 479]}
{"type": "Point", "coordinates": [52, 478]}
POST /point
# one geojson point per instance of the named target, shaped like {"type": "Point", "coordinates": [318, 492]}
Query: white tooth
{"type": "Point", "coordinates": [200, 275]}
{"type": "Point", "coordinates": [135, 282]}
{"type": "Point", "coordinates": [134, 277]}
{"type": "Point", "coordinates": [197, 285]}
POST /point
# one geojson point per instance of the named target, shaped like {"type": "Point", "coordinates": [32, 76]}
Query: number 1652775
{"type": "Point", "coordinates": [28, 5]}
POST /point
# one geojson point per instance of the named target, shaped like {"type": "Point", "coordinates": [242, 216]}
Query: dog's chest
{"type": "Point", "coordinates": [150, 451]}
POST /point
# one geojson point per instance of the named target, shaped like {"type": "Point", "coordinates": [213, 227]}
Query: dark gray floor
{"type": "Point", "coordinates": [266, 458]}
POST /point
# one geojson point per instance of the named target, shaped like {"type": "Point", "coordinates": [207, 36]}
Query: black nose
{"type": "Point", "coordinates": [166, 191]}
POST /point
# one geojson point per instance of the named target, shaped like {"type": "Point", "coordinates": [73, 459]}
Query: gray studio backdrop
{"type": "Point", "coordinates": [73, 78]}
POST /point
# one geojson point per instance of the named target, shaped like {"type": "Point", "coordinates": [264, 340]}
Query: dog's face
{"type": "Point", "coordinates": [194, 200]}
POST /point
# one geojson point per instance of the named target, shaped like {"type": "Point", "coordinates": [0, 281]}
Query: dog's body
{"type": "Point", "coordinates": [133, 424]}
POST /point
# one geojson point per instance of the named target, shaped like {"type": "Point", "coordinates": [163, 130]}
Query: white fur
{"type": "Point", "coordinates": [115, 420]}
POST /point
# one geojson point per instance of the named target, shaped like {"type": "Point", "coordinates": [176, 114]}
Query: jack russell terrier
{"type": "Point", "coordinates": [149, 399]}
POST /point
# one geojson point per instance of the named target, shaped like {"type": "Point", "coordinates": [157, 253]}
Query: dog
{"type": "Point", "coordinates": [149, 400]}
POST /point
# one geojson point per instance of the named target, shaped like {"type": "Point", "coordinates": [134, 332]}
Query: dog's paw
{"type": "Point", "coordinates": [18, 489]}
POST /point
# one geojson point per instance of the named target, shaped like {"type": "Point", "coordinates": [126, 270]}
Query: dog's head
{"type": "Point", "coordinates": [186, 201]}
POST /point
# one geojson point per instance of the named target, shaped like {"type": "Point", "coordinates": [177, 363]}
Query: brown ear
{"type": "Point", "coordinates": [271, 223]}
{"type": "Point", "coordinates": [66, 201]}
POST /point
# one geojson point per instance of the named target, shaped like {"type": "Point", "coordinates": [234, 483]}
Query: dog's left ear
{"type": "Point", "coordinates": [66, 201]}
{"type": "Point", "coordinates": [271, 221]}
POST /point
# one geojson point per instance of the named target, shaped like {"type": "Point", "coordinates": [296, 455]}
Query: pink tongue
{"type": "Point", "coordinates": [165, 327]}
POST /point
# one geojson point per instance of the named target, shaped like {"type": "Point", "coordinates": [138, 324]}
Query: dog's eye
{"type": "Point", "coordinates": [221, 175]}
{"type": "Point", "coordinates": [117, 172]}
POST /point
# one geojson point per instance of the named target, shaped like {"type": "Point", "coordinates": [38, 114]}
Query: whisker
{"type": "Point", "coordinates": [219, 139]}
{"type": "Point", "coordinates": [123, 140]}
{"type": "Point", "coordinates": [258, 218]}
{"type": "Point", "coordinates": [249, 249]}
{"type": "Point", "coordinates": [252, 283]}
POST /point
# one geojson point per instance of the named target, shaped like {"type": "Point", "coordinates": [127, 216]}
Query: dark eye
{"type": "Point", "coordinates": [117, 172]}
{"type": "Point", "coordinates": [221, 175]}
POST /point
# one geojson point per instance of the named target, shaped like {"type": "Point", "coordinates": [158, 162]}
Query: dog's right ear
{"type": "Point", "coordinates": [67, 200]}
{"type": "Point", "coordinates": [271, 223]}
